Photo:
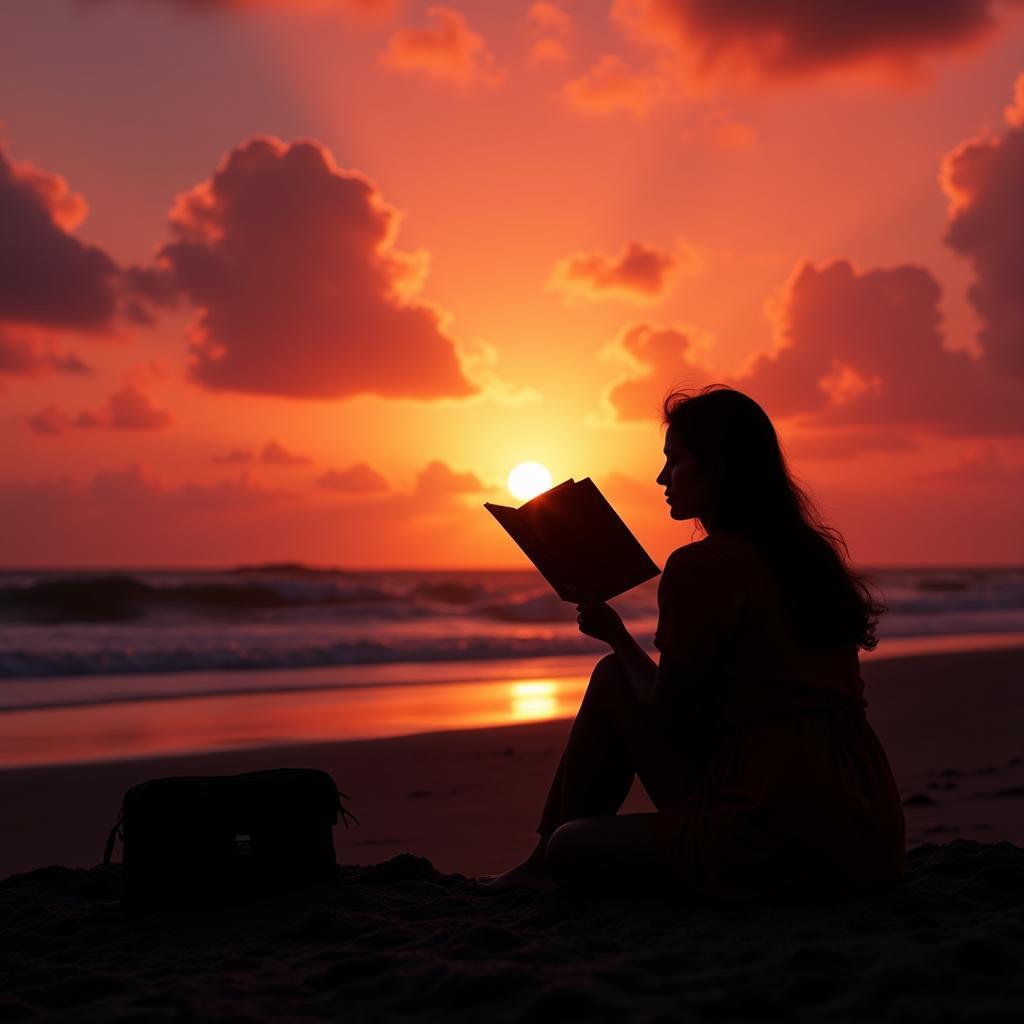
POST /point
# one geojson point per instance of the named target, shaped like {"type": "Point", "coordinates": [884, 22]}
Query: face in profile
{"type": "Point", "coordinates": [686, 490]}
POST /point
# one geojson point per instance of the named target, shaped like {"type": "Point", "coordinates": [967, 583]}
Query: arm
{"type": "Point", "coordinates": [600, 620]}
{"type": "Point", "coordinates": [640, 667]}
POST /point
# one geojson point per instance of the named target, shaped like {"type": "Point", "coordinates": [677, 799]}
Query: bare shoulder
{"type": "Point", "coordinates": [723, 563]}
{"type": "Point", "coordinates": [717, 549]}
{"type": "Point", "coordinates": [703, 562]}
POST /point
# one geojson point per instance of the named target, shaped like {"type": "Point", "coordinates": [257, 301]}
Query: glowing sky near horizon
{"type": "Point", "coordinates": [302, 281]}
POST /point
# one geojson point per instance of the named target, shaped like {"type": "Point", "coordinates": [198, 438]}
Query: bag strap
{"type": "Point", "coordinates": [344, 811]}
{"type": "Point", "coordinates": [117, 832]}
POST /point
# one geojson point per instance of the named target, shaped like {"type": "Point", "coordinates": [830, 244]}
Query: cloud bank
{"type": "Point", "coordinates": [984, 179]}
{"type": "Point", "coordinates": [290, 262]}
{"type": "Point", "coordinates": [757, 40]}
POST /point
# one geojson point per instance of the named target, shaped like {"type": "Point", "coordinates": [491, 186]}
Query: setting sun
{"type": "Point", "coordinates": [528, 480]}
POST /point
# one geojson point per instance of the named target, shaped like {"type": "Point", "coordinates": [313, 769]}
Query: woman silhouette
{"type": "Point", "coordinates": [749, 734]}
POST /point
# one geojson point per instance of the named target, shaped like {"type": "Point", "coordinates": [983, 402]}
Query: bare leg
{"type": "Point", "coordinates": [612, 739]}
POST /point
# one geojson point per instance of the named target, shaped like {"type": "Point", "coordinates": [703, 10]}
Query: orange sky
{"type": "Point", "coordinates": [306, 280]}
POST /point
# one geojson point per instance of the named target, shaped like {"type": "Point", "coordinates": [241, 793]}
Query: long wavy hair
{"type": "Point", "coordinates": [753, 494]}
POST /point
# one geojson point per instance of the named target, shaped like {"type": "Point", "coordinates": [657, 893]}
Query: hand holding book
{"type": "Point", "coordinates": [597, 618]}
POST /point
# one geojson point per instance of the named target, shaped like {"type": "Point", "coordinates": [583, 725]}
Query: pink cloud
{"type": "Point", "coordinates": [548, 50]}
{"type": "Point", "coordinates": [983, 466]}
{"type": "Point", "coordinates": [845, 442]}
{"type": "Point", "coordinates": [549, 17]}
{"type": "Point", "coordinates": [448, 51]}
{"type": "Point", "coordinates": [642, 274]}
{"type": "Point", "coordinates": [718, 131]}
{"type": "Point", "coordinates": [357, 479]}
{"type": "Point", "coordinates": [130, 517]}
{"type": "Point", "coordinates": [275, 454]}
{"type": "Point", "coordinates": [438, 480]}
{"type": "Point", "coordinates": [612, 87]}
{"type": "Point", "coordinates": [754, 40]}
{"type": "Point", "coordinates": [983, 179]}
{"type": "Point", "coordinates": [290, 261]}
{"type": "Point", "coordinates": [663, 359]}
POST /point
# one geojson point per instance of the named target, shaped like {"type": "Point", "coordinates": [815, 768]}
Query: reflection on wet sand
{"type": "Point", "coordinates": [132, 729]}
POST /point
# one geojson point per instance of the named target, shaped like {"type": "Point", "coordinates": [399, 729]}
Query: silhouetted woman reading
{"type": "Point", "coordinates": [749, 734]}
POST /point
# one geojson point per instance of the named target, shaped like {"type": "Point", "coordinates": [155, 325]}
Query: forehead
{"type": "Point", "coordinates": [673, 440]}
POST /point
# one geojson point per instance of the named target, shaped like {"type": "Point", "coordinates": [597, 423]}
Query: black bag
{"type": "Point", "coordinates": [211, 840]}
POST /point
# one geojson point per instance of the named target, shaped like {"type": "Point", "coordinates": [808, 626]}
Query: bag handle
{"type": "Point", "coordinates": [117, 832]}
{"type": "Point", "coordinates": [344, 811]}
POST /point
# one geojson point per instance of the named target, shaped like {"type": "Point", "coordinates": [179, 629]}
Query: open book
{"type": "Point", "coordinates": [575, 539]}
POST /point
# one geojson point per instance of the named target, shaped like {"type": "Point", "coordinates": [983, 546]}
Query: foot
{"type": "Point", "coordinates": [524, 876]}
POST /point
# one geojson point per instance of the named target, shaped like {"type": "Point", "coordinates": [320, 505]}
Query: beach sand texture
{"type": "Point", "coordinates": [407, 935]}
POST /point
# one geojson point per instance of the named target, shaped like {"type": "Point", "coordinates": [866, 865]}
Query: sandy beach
{"type": "Point", "coordinates": [407, 933]}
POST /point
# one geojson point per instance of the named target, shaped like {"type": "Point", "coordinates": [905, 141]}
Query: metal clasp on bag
{"type": "Point", "coordinates": [243, 844]}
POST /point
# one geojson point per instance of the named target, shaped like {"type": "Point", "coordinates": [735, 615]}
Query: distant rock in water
{"type": "Point", "coordinates": [283, 569]}
{"type": "Point", "coordinates": [101, 599]}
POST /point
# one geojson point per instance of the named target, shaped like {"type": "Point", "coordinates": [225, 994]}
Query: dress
{"type": "Point", "coordinates": [792, 794]}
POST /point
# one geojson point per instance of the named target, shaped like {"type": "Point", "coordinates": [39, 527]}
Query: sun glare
{"type": "Point", "coordinates": [528, 479]}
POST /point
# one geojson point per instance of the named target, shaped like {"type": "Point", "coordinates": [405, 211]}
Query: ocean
{"type": "Point", "coordinates": [57, 625]}
{"type": "Point", "coordinates": [80, 650]}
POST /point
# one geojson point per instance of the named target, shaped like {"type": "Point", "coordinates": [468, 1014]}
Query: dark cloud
{"type": "Point", "coordinates": [275, 454]}
{"type": "Point", "coordinates": [51, 421]}
{"type": "Point", "coordinates": [23, 354]}
{"type": "Point", "coordinates": [438, 480]}
{"type": "Point", "coordinates": [128, 408]}
{"type": "Point", "coordinates": [853, 350]}
{"type": "Point", "coordinates": [448, 51]}
{"type": "Point", "coordinates": [367, 8]}
{"type": "Point", "coordinates": [301, 294]}
{"type": "Point", "coordinates": [48, 277]}
{"type": "Point", "coordinates": [759, 39]}
{"type": "Point", "coordinates": [864, 349]}
{"type": "Point", "coordinates": [235, 457]}
{"type": "Point", "coordinates": [642, 273]}
{"type": "Point", "coordinates": [357, 479]}
{"type": "Point", "coordinates": [984, 179]}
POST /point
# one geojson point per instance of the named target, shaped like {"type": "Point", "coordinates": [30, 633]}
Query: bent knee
{"type": "Point", "coordinates": [609, 676]}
